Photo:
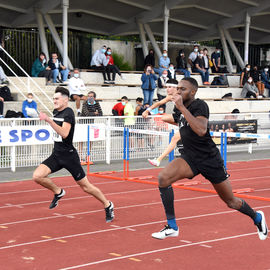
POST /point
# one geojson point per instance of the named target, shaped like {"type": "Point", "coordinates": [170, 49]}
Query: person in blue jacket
{"type": "Point", "coordinates": [29, 107]}
{"type": "Point", "coordinates": [265, 78]}
{"type": "Point", "coordinates": [148, 84]}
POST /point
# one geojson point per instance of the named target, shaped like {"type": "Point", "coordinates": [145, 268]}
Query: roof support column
{"type": "Point", "coordinates": [234, 49]}
{"type": "Point", "coordinates": [166, 23]}
{"type": "Point", "coordinates": [143, 39]}
{"type": "Point", "coordinates": [225, 49]}
{"type": "Point", "coordinates": [152, 39]}
{"type": "Point", "coordinates": [65, 5]}
{"type": "Point", "coordinates": [42, 35]}
{"type": "Point", "coordinates": [247, 25]}
{"type": "Point", "coordinates": [56, 37]}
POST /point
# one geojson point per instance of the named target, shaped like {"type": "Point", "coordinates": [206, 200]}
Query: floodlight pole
{"type": "Point", "coordinates": [225, 49]}
{"type": "Point", "coordinates": [152, 39]}
{"type": "Point", "coordinates": [65, 5]}
{"type": "Point", "coordinates": [166, 23]}
{"type": "Point", "coordinates": [42, 35]}
{"type": "Point", "coordinates": [247, 25]}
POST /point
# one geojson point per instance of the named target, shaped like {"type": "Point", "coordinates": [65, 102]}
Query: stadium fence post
{"type": "Point", "coordinates": [171, 155]}
{"type": "Point", "coordinates": [221, 145]}
{"type": "Point", "coordinates": [127, 165]}
{"type": "Point", "coordinates": [124, 153]}
{"type": "Point", "coordinates": [225, 150]}
{"type": "Point", "coordinates": [88, 149]}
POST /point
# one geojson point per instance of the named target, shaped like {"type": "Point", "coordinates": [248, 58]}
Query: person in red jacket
{"type": "Point", "coordinates": [111, 67]}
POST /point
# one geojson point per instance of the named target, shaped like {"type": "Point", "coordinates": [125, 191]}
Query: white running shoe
{"type": "Point", "coordinates": [167, 231]}
{"type": "Point", "coordinates": [262, 227]}
{"type": "Point", "coordinates": [154, 162]}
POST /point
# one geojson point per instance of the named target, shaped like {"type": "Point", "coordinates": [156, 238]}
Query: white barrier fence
{"type": "Point", "coordinates": [27, 142]}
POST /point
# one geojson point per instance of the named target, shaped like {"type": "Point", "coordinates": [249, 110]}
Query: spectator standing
{"type": "Point", "coordinates": [164, 62]}
{"type": "Point", "coordinates": [40, 68]}
{"type": "Point", "coordinates": [256, 76]}
{"type": "Point", "coordinates": [75, 87]}
{"type": "Point", "coordinates": [99, 62]}
{"type": "Point", "coordinates": [206, 59]}
{"type": "Point", "coordinates": [215, 58]}
{"type": "Point", "coordinates": [193, 56]}
{"type": "Point", "coordinates": [171, 72]}
{"type": "Point", "coordinates": [245, 74]}
{"type": "Point", "coordinates": [265, 78]}
{"type": "Point", "coordinates": [29, 107]}
{"type": "Point", "coordinates": [57, 67]}
{"type": "Point", "coordinates": [111, 67]}
{"type": "Point", "coordinates": [162, 90]}
{"type": "Point", "coordinates": [250, 89]}
{"type": "Point", "coordinates": [148, 84]}
{"type": "Point", "coordinates": [181, 64]}
{"type": "Point", "coordinates": [150, 58]}
{"type": "Point", "coordinates": [200, 68]}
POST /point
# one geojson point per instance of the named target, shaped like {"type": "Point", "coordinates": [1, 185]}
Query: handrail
{"type": "Point", "coordinates": [29, 78]}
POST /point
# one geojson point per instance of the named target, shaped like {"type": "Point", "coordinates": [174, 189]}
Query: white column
{"type": "Point", "coordinates": [56, 37]}
{"type": "Point", "coordinates": [234, 49]}
{"type": "Point", "coordinates": [65, 5]}
{"type": "Point", "coordinates": [143, 39]}
{"type": "Point", "coordinates": [152, 39]}
{"type": "Point", "coordinates": [247, 25]}
{"type": "Point", "coordinates": [225, 50]}
{"type": "Point", "coordinates": [42, 36]}
{"type": "Point", "coordinates": [166, 23]}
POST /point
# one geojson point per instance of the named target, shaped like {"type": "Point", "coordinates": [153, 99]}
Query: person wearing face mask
{"type": "Point", "coordinates": [148, 79]}
{"type": "Point", "coordinates": [111, 67]}
{"type": "Point", "coordinates": [193, 56]}
{"type": "Point", "coordinates": [215, 58]}
{"type": "Point", "coordinates": [75, 87]}
{"type": "Point", "coordinates": [171, 72]}
{"type": "Point", "coordinates": [265, 77]}
{"type": "Point", "coordinates": [244, 75]}
{"type": "Point", "coordinates": [40, 68]}
{"type": "Point", "coordinates": [99, 61]}
{"type": "Point", "coordinates": [201, 68]}
{"type": "Point", "coordinates": [181, 64]}
{"type": "Point", "coordinates": [162, 90]}
{"type": "Point", "coordinates": [29, 107]}
{"type": "Point", "coordinates": [91, 106]}
{"type": "Point", "coordinates": [164, 62]}
{"type": "Point", "coordinates": [250, 90]}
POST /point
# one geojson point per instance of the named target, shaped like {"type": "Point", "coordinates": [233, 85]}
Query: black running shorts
{"type": "Point", "coordinates": [212, 168]}
{"type": "Point", "coordinates": [67, 159]}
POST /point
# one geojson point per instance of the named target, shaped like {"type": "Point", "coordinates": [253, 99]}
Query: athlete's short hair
{"type": "Point", "coordinates": [192, 81]}
{"type": "Point", "coordinates": [62, 90]}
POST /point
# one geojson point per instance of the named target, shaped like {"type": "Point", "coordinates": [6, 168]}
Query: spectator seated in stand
{"type": "Point", "coordinates": [265, 78]}
{"type": "Point", "coordinates": [148, 79]}
{"type": "Point", "coordinates": [256, 76]}
{"type": "Point", "coordinates": [164, 62]}
{"type": "Point", "coordinates": [245, 74]}
{"type": "Point", "coordinates": [75, 87]}
{"type": "Point", "coordinates": [111, 67]}
{"type": "Point", "coordinates": [40, 68]}
{"type": "Point", "coordinates": [199, 64]}
{"type": "Point", "coordinates": [29, 107]}
{"type": "Point", "coordinates": [171, 72]}
{"type": "Point", "coordinates": [181, 64]}
{"type": "Point", "coordinates": [215, 58]}
{"type": "Point", "coordinates": [91, 106]}
{"type": "Point", "coordinates": [118, 109]}
{"type": "Point", "coordinates": [250, 90]}
{"type": "Point", "coordinates": [57, 68]}
{"type": "Point", "coordinates": [99, 62]}
{"type": "Point", "coordinates": [193, 56]}
{"type": "Point", "coordinates": [150, 58]}
{"type": "Point", "coordinates": [162, 90]}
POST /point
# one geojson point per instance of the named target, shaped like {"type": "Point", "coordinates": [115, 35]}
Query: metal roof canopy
{"type": "Point", "coordinates": [188, 20]}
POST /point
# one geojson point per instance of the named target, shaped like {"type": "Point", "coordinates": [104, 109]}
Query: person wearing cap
{"type": "Point", "coordinates": [181, 64]}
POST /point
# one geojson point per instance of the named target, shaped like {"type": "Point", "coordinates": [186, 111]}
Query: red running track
{"type": "Point", "coordinates": [75, 236]}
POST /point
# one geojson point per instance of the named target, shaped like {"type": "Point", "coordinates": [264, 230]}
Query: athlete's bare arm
{"type": "Point", "coordinates": [63, 131]}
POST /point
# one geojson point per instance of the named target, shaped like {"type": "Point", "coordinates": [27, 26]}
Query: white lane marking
{"type": "Point", "coordinates": [185, 241]}
{"type": "Point", "coordinates": [206, 246]}
{"type": "Point", "coordinates": [158, 250]}
{"type": "Point", "coordinates": [121, 228]}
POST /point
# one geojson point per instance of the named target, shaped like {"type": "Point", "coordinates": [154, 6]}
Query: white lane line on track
{"type": "Point", "coordinates": [121, 228]}
{"type": "Point", "coordinates": [101, 210]}
{"type": "Point", "coordinates": [159, 250]}
{"type": "Point", "coordinates": [43, 189]}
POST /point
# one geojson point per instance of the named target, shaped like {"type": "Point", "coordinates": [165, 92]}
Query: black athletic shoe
{"type": "Point", "coordinates": [109, 213]}
{"type": "Point", "coordinates": [56, 198]}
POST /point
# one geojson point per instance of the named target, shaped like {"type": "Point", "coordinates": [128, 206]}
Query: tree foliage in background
{"type": "Point", "coordinates": [120, 62]}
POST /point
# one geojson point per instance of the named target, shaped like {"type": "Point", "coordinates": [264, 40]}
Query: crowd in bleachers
{"type": "Point", "coordinates": [254, 81]}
